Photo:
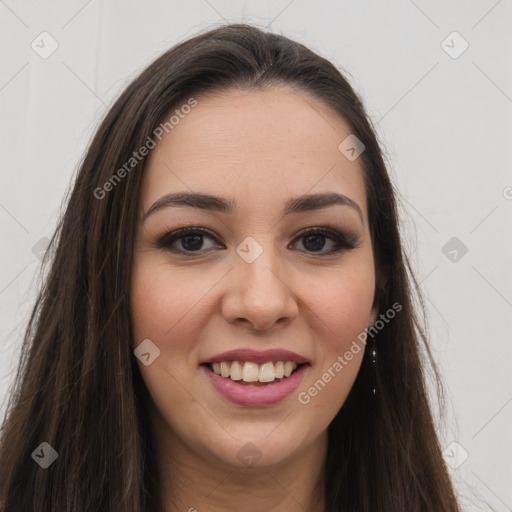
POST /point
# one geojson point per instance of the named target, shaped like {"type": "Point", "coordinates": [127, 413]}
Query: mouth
{"type": "Point", "coordinates": [249, 384]}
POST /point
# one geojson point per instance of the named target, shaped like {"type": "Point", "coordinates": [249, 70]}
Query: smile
{"type": "Point", "coordinates": [244, 382]}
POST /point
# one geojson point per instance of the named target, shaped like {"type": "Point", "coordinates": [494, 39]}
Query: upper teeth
{"type": "Point", "coordinates": [252, 372]}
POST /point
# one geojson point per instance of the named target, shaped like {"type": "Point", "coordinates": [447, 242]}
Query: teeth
{"type": "Point", "coordinates": [236, 371]}
{"type": "Point", "coordinates": [252, 372]}
{"type": "Point", "coordinates": [224, 369]}
{"type": "Point", "coordinates": [267, 372]}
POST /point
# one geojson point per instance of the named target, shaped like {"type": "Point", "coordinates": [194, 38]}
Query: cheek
{"type": "Point", "coordinates": [166, 309]}
{"type": "Point", "coordinates": [342, 305]}
{"type": "Point", "coordinates": [162, 311]}
{"type": "Point", "coordinates": [171, 308]}
{"type": "Point", "coordinates": [341, 308]}
{"type": "Point", "coordinates": [164, 302]}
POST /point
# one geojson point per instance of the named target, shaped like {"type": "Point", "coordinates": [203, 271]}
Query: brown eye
{"type": "Point", "coordinates": [186, 240]}
{"type": "Point", "coordinates": [314, 240]}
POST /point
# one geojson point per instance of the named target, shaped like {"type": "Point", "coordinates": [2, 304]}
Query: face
{"type": "Point", "coordinates": [257, 282]}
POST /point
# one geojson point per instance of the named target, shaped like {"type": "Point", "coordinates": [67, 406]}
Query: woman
{"type": "Point", "coordinates": [227, 323]}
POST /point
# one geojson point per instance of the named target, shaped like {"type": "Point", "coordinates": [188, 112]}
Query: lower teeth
{"type": "Point", "coordinates": [256, 383]}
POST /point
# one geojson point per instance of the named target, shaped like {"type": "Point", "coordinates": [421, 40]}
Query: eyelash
{"type": "Point", "coordinates": [344, 242]}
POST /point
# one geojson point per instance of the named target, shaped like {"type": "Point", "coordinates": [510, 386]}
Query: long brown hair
{"type": "Point", "coordinates": [78, 386]}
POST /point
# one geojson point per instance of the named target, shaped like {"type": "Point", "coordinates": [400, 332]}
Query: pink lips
{"type": "Point", "coordinates": [257, 356]}
{"type": "Point", "coordinates": [256, 396]}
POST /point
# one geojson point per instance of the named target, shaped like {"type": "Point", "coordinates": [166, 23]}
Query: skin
{"type": "Point", "coordinates": [258, 148]}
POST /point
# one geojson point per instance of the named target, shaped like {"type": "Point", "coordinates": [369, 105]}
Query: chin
{"type": "Point", "coordinates": [255, 448]}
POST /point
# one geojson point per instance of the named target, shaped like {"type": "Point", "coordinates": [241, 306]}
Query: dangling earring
{"type": "Point", "coordinates": [373, 372]}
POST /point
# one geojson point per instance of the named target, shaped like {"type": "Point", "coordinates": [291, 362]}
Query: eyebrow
{"type": "Point", "coordinates": [220, 204]}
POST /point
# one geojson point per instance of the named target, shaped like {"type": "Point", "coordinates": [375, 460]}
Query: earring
{"type": "Point", "coordinates": [373, 350]}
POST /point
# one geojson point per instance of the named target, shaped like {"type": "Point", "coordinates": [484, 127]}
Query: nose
{"type": "Point", "coordinates": [259, 294]}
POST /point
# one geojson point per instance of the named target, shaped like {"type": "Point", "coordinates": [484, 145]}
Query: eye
{"type": "Point", "coordinates": [191, 240]}
{"type": "Point", "coordinates": [314, 240]}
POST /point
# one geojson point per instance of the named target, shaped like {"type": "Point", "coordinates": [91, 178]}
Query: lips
{"type": "Point", "coordinates": [256, 394]}
{"type": "Point", "coordinates": [256, 356]}
{"type": "Point", "coordinates": [255, 378]}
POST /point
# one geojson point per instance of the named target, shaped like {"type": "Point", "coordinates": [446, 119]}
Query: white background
{"type": "Point", "coordinates": [445, 124]}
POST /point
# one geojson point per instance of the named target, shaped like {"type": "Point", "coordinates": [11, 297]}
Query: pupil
{"type": "Point", "coordinates": [318, 242]}
{"type": "Point", "coordinates": [192, 241]}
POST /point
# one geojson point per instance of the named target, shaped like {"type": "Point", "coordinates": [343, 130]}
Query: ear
{"type": "Point", "coordinates": [373, 315]}
{"type": "Point", "coordinates": [381, 282]}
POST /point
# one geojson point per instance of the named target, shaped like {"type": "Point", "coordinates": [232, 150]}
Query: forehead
{"type": "Point", "coordinates": [258, 147]}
